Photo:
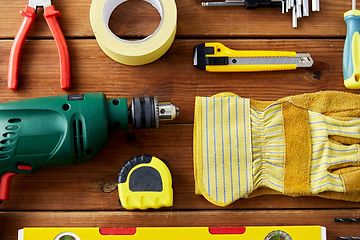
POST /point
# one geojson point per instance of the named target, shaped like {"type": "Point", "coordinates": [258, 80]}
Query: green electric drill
{"type": "Point", "coordinates": [66, 130]}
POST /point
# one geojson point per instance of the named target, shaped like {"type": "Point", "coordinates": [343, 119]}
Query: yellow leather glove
{"type": "Point", "coordinates": [295, 146]}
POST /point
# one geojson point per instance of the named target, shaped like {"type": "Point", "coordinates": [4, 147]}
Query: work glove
{"type": "Point", "coordinates": [305, 145]}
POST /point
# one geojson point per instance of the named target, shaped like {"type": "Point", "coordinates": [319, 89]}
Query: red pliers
{"type": "Point", "coordinates": [50, 15]}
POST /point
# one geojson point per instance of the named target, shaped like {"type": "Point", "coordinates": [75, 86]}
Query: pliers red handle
{"type": "Point", "coordinates": [51, 16]}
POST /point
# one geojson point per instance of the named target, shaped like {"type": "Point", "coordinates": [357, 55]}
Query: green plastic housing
{"type": "Point", "coordinates": [57, 131]}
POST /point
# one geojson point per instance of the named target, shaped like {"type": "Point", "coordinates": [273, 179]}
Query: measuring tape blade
{"type": "Point", "coordinates": [138, 52]}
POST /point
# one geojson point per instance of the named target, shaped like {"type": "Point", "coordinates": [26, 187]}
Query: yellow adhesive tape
{"type": "Point", "coordinates": [138, 52]}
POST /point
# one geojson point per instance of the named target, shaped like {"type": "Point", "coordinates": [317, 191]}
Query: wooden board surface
{"type": "Point", "coordinates": [78, 195]}
{"type": "Point", "coordinates": [193, 20]}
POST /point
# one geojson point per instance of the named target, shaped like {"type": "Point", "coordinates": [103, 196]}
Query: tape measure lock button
{"type": "Point", "coordinates": [138, 52]}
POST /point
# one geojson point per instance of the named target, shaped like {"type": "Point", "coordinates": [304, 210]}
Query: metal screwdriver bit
{"type": "Point", "coordinates": [298, 8]}
{"type": "Point", "coordinates": [220, 4]}
{"type": "Point", "coordinates": [305, 8]}
{"type": "Point", "coordinates": [294, 17]}
{"type": "Point", "coordinates": [315, 5]}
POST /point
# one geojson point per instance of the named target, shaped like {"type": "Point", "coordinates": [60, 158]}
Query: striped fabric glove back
{"type": "Point", "coordinates": [245, 148]}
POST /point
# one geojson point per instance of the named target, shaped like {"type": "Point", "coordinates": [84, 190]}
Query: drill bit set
{"type": "Point", "coordinates": [299, 8]}
{"type": "Point", "coordinates": [347, 220]}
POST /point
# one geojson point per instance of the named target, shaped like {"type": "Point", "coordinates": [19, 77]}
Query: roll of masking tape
{"type": "Point", "coordinates": [138, 52]}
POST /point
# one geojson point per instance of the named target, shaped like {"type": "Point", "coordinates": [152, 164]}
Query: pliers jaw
{"type": "Point", "coordinates": [39, 3]}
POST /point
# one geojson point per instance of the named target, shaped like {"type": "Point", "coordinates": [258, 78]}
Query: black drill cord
{"type": "Point", "coordinates": [347, 220]}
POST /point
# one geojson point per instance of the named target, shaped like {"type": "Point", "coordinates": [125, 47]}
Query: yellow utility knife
{"type": "Point", "coordinates": [215, 57]}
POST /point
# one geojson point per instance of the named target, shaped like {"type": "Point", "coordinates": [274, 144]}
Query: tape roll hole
{"type": "Point", "coordinates": [132, 20]}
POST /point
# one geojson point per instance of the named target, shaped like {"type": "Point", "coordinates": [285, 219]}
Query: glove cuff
{"type": "Point", "coordinates": [222, 149]}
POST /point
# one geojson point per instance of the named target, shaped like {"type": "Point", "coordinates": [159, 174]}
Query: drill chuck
{"type": "Point", "coordinates": [146, 112]}
{"type": "Point", "coordinates": [167, 111]}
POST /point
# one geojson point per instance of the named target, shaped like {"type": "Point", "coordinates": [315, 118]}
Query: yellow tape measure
{"type": "Point", "coordinates": [145, 182]}
{"type": "Point", "coordinates": [138, 52]}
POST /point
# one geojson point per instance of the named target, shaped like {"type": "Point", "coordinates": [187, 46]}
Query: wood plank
{"type": "Point", "coordinates": [81, 196]}
{"type": "Point", "coordinates": [172, 77]}
{"type": "Point", "coordinates": [12, 221]}
{"type": "Point", "coordinates": [80, 187]}
{"type": "Point", "coordinates": [193, 20]}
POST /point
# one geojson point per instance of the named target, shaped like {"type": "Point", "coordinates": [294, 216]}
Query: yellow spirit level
{"type": "Point", "coordinates": [176, 233]}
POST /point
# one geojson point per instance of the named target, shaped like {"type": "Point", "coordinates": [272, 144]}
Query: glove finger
{"type": "Point", "coordinates": [323, 126]}
{"type": "Point", "coordinates": [326, 154]}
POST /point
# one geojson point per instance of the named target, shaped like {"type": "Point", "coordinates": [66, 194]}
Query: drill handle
{"type": "Point", "coordinates": [5, 183]}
